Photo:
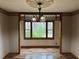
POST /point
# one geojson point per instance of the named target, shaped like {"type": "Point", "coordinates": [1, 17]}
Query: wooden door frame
{"type": "Point", "coordinates": [61, 35]}
{"type": "Point", "coordinates": [19, 34]}
{"type": "Point", "coordinates": [37, 13]}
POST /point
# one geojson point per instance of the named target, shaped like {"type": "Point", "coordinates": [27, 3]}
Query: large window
{"type": "Point", "coordinates": [40, 30]}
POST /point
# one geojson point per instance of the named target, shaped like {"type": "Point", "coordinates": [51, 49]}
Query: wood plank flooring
{"type": "Point", "coordinates": [24, 53]}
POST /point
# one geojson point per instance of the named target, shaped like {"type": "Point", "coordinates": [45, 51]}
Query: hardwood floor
{"type": "Point", "coordinates": [25, 52]}
{"type": "Point", "coordinates": [65, 56]}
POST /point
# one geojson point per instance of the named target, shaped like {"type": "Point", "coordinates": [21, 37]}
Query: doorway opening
{"type": "Point", "coordinates": [42, 45]}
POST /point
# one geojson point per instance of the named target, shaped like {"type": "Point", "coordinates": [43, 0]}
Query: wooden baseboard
{"type": "Point", "coordinates": [63, 53]}
{"type": "Point", "coordinates": [71, 54]}
{"type": "Point", "coordinates": [40, 46]}
{"type": "Point", "coordinates": [74, 56]}
{"type": "Point", "coordinates": [9, 55]}
{"type": "Point", "coordinates": [5, 57]}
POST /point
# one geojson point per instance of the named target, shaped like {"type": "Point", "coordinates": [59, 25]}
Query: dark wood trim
{"type": "Point", "coordinates": [40, 46]}
{"type": "Point", "coordinates": [70, 54]}
{"type": "Point", "coordinates": [64, 53]}
{"type": "Point", "coordinates": [67, 13]}
{"type": "Point", "coordinates": [74, 56]}
{"type": "Point", "coordinates": [45, 13]}
{"type": "Point", "coordinates": [6, 56]}
{"type": "Point", "coordinates": [30, 30]}
{"type": "Point", "coordinates": [61, 34]}
{"type": "Point", "coordinates": [39, 39]}
{"type": "Point", "coordinates": [19, 34]}
{"type": "Point", "coordinates": [47, 29]}
{"type": "Point", "coordinates": [10, 55]}
{"type": "Point", "coordinates": [53, 29]}
{"type": "Point", "coordinates": [34, 13]}
{"type": "Point", "coordinates": [75, 12]}
{"type": "Point", "coordinates": [3, 11]}
{"type": "Point", "coordinates": [13, 13]}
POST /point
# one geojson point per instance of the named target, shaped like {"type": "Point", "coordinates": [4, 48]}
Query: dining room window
{"type": "Point", "coordinates": [40, 30]}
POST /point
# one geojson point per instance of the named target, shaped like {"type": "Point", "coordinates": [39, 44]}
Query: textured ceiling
{"type": "Point", "coordinates": [22, 6]}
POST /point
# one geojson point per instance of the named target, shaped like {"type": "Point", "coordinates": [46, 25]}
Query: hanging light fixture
{"type": "Point", "coordinates": [39, 4]}
{"type": "Point", "coordinates": [43, 18]}
{"type": "Point", "coordinates": [34, 18]}
{"type": "Point", "coordinates": [34, 3]}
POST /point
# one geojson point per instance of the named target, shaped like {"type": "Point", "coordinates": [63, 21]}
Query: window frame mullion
{"type": "Point", "coordinates": [46, 29]}
{"type": "Point", "coordinates": [31, 29]}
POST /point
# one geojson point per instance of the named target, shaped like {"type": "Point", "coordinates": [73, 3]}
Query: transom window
{"type": "Point", "coordinates": [38, 30]}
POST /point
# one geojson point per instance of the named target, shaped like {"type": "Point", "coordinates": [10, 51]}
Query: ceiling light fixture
{"type": "Point", "coordinates": [39, 4]}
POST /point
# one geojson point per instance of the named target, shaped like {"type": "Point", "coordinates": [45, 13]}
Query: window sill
{"type": "Point", "coordinates": [39, 38]}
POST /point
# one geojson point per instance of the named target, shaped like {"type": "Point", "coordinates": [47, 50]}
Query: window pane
{"type": "Point", "coordinates": [50, 33]}
{"type": "Point", "coordinates": [27, 25]}
{"type": "Point", "coordinates": [50, 25]}
{"type": "Point", "coordinates": [38, 29]}
{"type": "Point", "coordinates": [50, 29]}
{"type": "Point", "coordinates": [50, 56]}
{"type": "Point", "coordinates": [27, 33]}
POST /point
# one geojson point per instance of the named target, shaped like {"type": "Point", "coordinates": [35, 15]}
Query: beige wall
{"type": "Point", "coordinates": [4, 36]}
{"type": "Point", "coordinates": [13, 33]}
{"type": "Point", "coordinates": [41, 42]}
{"type": "Point", "coordinates": [75, 35]}
{"type": "Point", "coordinates": [66, 33]}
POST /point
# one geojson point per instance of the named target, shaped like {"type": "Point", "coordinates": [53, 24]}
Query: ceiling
{"type": "Point", "coordinates": [22, 6]}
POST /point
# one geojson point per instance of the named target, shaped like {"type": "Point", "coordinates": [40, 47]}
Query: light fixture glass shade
{"type": "Point", "coordinates": [43, 18]}
{"type": "Point", "coordinates": [34, 19]}
{"type": "Point", "coordinates": [34, 3]}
